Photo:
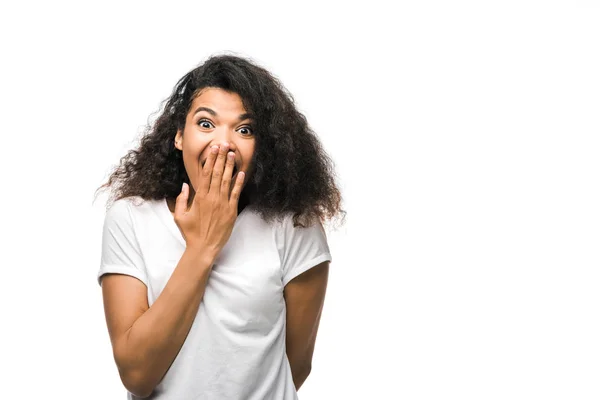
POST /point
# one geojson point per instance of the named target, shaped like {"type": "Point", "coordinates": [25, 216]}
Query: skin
{"type": "Point", "coordinates": [305, 294]}
{"type": "Point", "coordinates": [304, 297]}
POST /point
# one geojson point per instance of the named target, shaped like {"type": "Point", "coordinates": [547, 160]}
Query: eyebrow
{"type": "Point", "coordinates": [214, 114]}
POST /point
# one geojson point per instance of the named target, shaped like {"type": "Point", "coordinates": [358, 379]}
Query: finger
{"type": "Point", "coordinates": [226, 181]}
{"type": "Point", "coordinates": [237, 190]}
{"type": "Point", "coordinates": [217, 172]}
{"type": "Point", "coordinates": [181, 201]}
{"type": "Point", "coordinates": [205, 173]}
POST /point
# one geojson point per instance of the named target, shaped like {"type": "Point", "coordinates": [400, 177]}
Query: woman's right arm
{"type": "Point", "coordinates": [146, 340]}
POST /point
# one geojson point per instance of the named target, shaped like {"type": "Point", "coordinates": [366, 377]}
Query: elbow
{"type": "Point", "coordinates": [134, 377]}
{"type": "Point", "coordinates": [300, 373]}
{"type": "Point", "coordinates": [136, 383]}
{"type": "Point", "coordinates": [304, 372]}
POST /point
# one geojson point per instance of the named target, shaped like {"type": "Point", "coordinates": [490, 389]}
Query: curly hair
{"type": "Point", "coordinates": [292, 172]}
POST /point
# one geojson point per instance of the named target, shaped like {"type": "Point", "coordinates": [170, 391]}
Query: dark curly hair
{"type": "Point", "coordinates": [292, 172]}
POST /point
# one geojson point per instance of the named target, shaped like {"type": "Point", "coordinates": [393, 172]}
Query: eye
{"type": "Point", "coordinates": [204, 121]}
{"type": "Point", "coordinates": [248, 129]}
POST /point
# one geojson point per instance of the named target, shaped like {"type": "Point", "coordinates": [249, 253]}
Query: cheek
{"type": "Point", "coordinates": [249, 153]}
{"type": "Point", "coordinates": [191, 162]}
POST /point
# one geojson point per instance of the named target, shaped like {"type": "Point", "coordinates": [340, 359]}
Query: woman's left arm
{"type": "Point", "coordinates": [304, 296]}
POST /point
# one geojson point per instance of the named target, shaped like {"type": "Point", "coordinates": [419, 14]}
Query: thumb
{"type": "Point", "coordinates": [181, 201]}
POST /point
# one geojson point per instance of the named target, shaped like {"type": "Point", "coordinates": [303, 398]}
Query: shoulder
{"type": "Point", "coordinates": [301, 227]}
{"type": "Point", "coordinates": [132, 205]}
{"type": "Point", "coordinates": [129, 212]}
{"type": "Point", "coordinates": [309, 233]}
{"type": "Point", "coordinates": [124, 203]}
{"type": "Point", "coordinates": [118, 209]}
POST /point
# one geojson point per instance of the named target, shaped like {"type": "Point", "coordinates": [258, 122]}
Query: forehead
{"type": "Point", "coordinates": [219, 100]}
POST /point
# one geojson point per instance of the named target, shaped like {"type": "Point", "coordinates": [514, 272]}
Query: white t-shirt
{"type": "Point", "coordinates": [236, 346]}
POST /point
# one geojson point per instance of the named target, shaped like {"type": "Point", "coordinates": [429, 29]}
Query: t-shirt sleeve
{"type": "Point", "coordinates": [301, 248]}
{"type": "Point", "coordinates": [120, 249]}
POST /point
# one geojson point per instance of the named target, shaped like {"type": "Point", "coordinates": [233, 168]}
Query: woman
{"type": "Point", "coordinates": [214, 258]}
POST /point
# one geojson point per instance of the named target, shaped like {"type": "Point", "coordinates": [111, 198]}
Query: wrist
{"type": "Point", "coordinates": [202, 253]}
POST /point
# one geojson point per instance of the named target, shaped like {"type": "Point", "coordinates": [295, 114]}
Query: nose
{"type": "Point", "coordinates": [221, 138]}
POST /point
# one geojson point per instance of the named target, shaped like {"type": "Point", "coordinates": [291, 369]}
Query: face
{"type": "Point", "coordinates": [216, 117]}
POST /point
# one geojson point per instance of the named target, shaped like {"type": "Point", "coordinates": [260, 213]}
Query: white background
{"type": "Point", "coordinates": [465, 137]}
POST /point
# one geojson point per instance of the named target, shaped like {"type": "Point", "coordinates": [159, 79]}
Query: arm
{"type": "Point", "coordinates": [304, 296]}
{"type": "Point", "coordinates": [145, 339]}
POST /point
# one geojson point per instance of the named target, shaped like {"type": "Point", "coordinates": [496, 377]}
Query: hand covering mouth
{"type": "Point", "coordinates": [235, 168]}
